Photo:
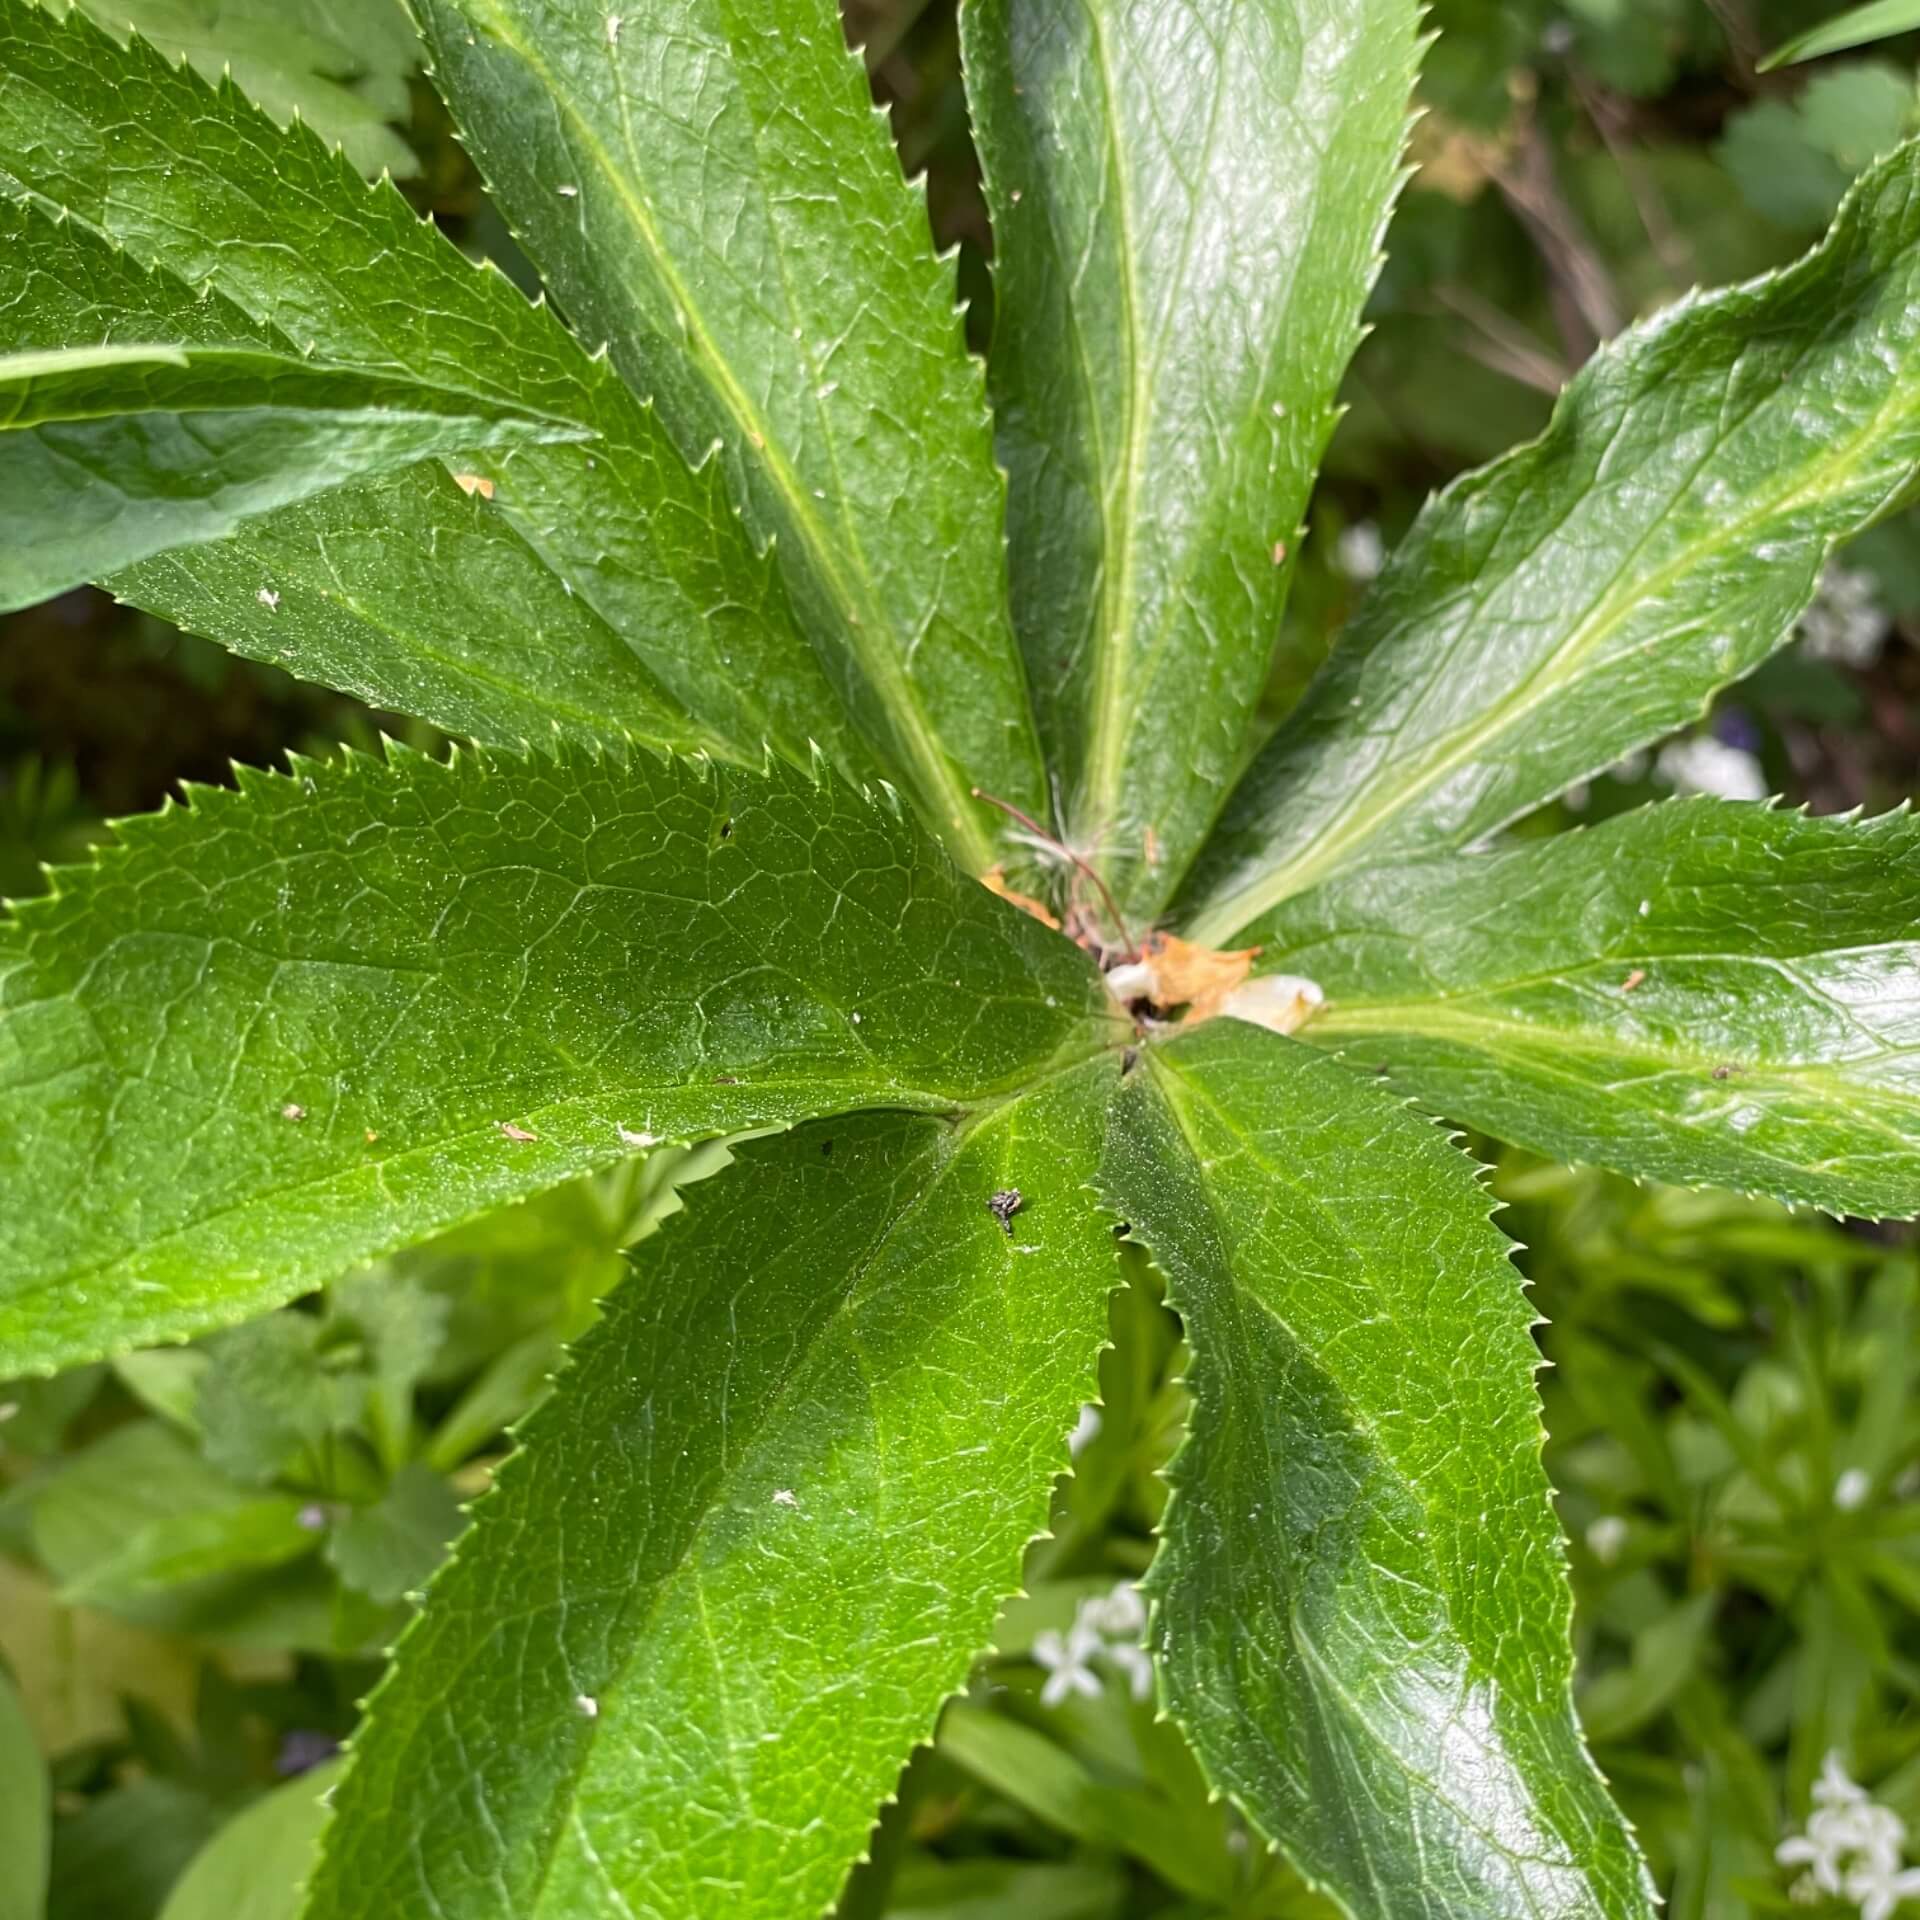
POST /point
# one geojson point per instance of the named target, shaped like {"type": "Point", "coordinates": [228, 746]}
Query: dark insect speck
{"type": "Point", "coordinates": [1003, 1206]}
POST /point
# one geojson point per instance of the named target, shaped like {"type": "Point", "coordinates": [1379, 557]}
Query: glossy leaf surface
{"type": "Point", "coordinates": [291, 1027]}
{"type": "Point", "coordinates": [199, 182]}
{"type": "Point", "coordinates": [111, 454]}
{"type": "Point", "coordinates": [1187, 204]}
{"type": "Point", "coordinates": [403, 591]}
{"type": "Point", "coordinates": [1703, 992]}
{"type": "Point", "coordinates": [753, 1539]}
{"type": "Point", "coordinates": [1588, 593]}
{"type": "Point", "coordinates": [1360, 1612]}
{"type": "Point", "coordinates": [709, 188]}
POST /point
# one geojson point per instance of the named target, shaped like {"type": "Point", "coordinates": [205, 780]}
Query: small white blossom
{"type": "Point", "coordinates": [1846, 622]}
{"type": "Point", "coordinates": [1605, 1537]}
{"type": "Point", "coordinates": [1066, 1657]}
{"type": "Point", "coordinates": [1137, 1664]}
{"type": "Point", "coordinates": [1880, 1886]}
{"type": "Point", "coordinates": [1851, 1489]}
{"type": "Point", "coordinates": [1706, 765]}
{"type": "Point", "coordinates": [1119, 1615]}
{"type": "Point", "coordinates": [1086, 1430]}
{"type": "Point", "coordinates": [1360, 552]}
{"type": "Point", "coordinates": [1851, 1847]}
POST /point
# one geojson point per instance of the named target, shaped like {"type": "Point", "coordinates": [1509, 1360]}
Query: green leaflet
{"type": "Point", "coordinates": [1360, 1607]}
{"type": "Point", "coordinates": [111, 454]}
{"type": "Point", "coordinates": [719, 201]}
{"type": "Point", "coordinates": [754, 1538]}
{"type": "Point", "coordinates": [1588, 593]}
{"type": "Point", "coordinates": [402, 591]}
{"type": "Point", "coordinates": [26, 1811]}
{"type": "Point", "coordinates": [291, 1027]}
{"type": "Point", "coordinates": [420, 600]}
{"type": "Point", "coordinates": [342, 66]}
{"type": "Point", "coordinates": [1187, 204]}
{"type": "Point", "coordinates": [197, 181]}
{"type": "Point", "coordinates": [1700, 992]}
{"type": "Point", "coordinates": [256, 1866]}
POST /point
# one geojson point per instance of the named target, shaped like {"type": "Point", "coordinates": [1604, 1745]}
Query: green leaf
{"type": "Point", "coordinates": [712, 192]}
{"type": "Point", "coordinates": [390, 1548]}
{"type": "Point", "coordinates": [1589, 592]}
{"type": "Point", "coordinates": [256, 1866]}
{"type": "Point", "coordinates": [342, 66]}
{"type": "Point", "coordinates": [418, 599]}
{"type": "Point", "coordinates": [179, 1549]}
{"type": "Point", "coordinates": [26, 1810]}
{"type": "Point", "coordinates": [294, 1026]}
{"type": "Point", "coordinates": [111, 454]}
{"type": "Point", "coordinates": [198, 182]}
{"type": "Point", "coordinates": [117, 1857]}
{"type": "Point", "coordinates": [1187, 209]}
{"type": "Point", "coordinates": [1360, 1613]}
{"type": "Point", "coordinates": [753, 1539]}
{"type": "Point", "coordinates": [400, 592]}
{"type": "Point", "coordinates": [1877, 20]}
{"type": "Point", "coordinates": [1060, 1789]}
{"type": "Point", "coordinates": [139, 1513]}
{"type": "Point", "coordinates": [1703, 992]}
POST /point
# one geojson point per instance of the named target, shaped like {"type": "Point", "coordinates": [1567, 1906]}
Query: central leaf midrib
{"type": "Point", "coordinates": [860, 608]}
{"type": "Point", "coordinates": [1107, 731]}
{"type": "Point", "coordinates": [1374, 808]}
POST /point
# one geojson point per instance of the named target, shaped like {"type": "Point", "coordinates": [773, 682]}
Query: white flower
{"type": "Point", "coordinates": [1846, 622]}
{"type": "Point", "coordinates": [1880, 1886]}
{"type": "Point", "coordinates": [1359, 552]}
{"type": "Point", "coordinates": [1086, 1430]}
{"type": "Point", "coordinates": [1137, 1664]}
{"type": "Point", "coordinates": [1851, 1846]}
{"type": "Point", "coordinates": [1851, 1489]}
{"type": "Point", "coordinates": [1605, 1537]}
{"type": "Point", "coordinates": [1706, 765]}
{"type": "Point", "coordinates": [1065, 1657]}
{"type": "Point", "coordinates": [1119, 1615]}
{"type": "Point", "coordinates": [1833, 1788]}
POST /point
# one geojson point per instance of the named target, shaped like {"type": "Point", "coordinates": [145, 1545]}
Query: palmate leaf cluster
{"type": "Point", "coordinates": [769, 613]}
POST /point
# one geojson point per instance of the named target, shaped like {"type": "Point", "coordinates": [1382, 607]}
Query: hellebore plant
{"type": "Point", "coordinates": [778, 626]}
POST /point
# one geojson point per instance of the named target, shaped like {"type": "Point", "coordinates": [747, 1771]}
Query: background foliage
{"type": "Point", "coordinates": [203, 1551]}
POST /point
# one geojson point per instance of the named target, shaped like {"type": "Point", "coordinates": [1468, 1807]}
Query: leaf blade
{"type": "Point", "coordinates": [503, 971]}
{"type": "Point", "coordinates": [1379, 1671]}
{"type": "Point", "coordinates": [713, 195]}
{"type": "Point", "coordinates": [1699, 992]}
{"type": "Point", "coordinates": [716, 1681]}
{"type": "Point", "coordinates": [110, 455]}
{"type": "Point", "coordinates": [1589, 592]}
{"type": "Point", "coordinates": [1187, 209]}
{"type": "Point", "coordinates": [198, 182]}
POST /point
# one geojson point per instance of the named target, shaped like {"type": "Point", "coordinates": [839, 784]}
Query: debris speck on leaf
{"type": "Point", "coordinates": [1633, 979]}
{"type": "Point", "coordinates": [268, 599]}
{"type": "Point", "coordinates": [472, 483]}
{"type": "Point", "coordinates": [1003, 1206]}
{"type": "Point", "coordinates": [638, 1138]}
{"type": "Point", "coordinates": [292, 1112]}
{"type": "Point", "coordinates": [516, 1133]}
{"type": "Point", "coordinates": [587, 1705]}
{"type": "Point", "coordinates": [785, 1497]}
